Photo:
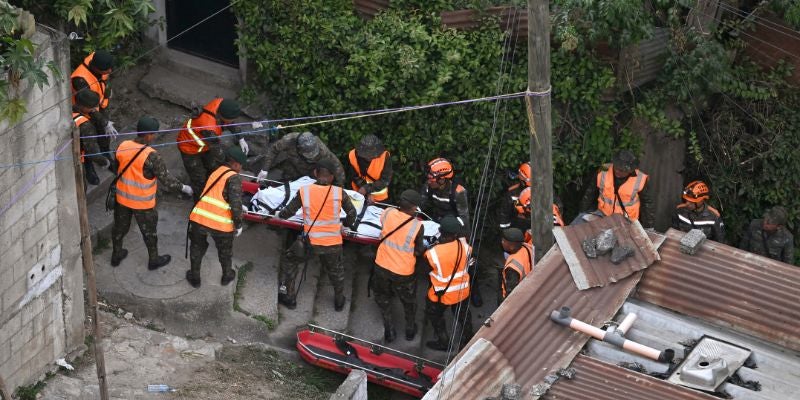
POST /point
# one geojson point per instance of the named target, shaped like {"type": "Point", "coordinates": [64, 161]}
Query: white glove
{"type": "Point", "coordinates": [262, 176]}
{"type": "Point", "coordinates": [244, 146]}
{"type": "Point", "coordinates": [239, 231]}
{"type": "Point", "coordinates": [257, 125]}
{"type": "Point", "coordinates": [111, 131]}
{"type": "Point", "coordinates": [187, 189]}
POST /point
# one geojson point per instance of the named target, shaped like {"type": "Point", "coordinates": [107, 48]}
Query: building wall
{"type": "Point", "coordinates": [41, 280]}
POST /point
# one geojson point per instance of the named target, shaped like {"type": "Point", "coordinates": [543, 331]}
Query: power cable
{"type": "Point", "coordinates": [782, 29]}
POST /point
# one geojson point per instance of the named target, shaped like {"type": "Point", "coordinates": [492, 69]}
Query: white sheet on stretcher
{"type": "Point", "coordinates": [369, 224]}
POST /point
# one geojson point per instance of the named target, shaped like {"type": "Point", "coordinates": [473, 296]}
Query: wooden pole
{"type": "Point", "coordinates": [4, 390]}
{"type": "Point", "coordinates": [88, 264]}
{"type": "Point", "coordinates": [538, 105]}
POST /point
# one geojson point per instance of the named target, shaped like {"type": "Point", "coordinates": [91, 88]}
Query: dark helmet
{"type": "Point", "coordinates": [307, 145]}
{"type": "Point", "coordinates": [370, 147]}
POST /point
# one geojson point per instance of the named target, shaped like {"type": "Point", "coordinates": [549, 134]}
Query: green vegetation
{"type": "Point", "coordinates": [241, 278]}
{"type": "Point", "coordinates": [271, 324]}
{"type": "Point", "coordinates": [29, 392]}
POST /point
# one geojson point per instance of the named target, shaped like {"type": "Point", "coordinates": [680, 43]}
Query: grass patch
{"type": "Point", "coordinates": [267, 321]}
{"type": "Point", "coordinates": [30, 392]}
{"type": "Point", "coordinates": [103, 242]}
{"type": "Point", "coordinates": [241, 278]}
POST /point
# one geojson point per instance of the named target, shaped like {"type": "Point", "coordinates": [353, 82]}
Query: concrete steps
{"type": "Point", "coordinates": [162, 83]}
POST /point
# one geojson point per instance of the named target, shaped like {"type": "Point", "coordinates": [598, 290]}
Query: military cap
{"type": "Point", "coordinates": [370, 147]}
{"type": "Point", "coordinates": [308, 146]}
{"type": "Point", "coordinates": [411, 196]}
{"type": "Point", "coordinates": [147, 125]}
{"type": "Point", "coordinates": [450, 224]}
{"type": "Point", "coordinates": [513, 235]}
{"type": "Point", "coordinates": [236, 154]}
{"type": "Point", "coordinates": [776, 215]}
{"type": "Point", "coordinates": [625, 160]}
{"type": "Point", "coordinates": [229, 109]}
{"type": "Point", "coordinates": [102, 60]}
{"type": "Point", "coordinates": [327, 165]}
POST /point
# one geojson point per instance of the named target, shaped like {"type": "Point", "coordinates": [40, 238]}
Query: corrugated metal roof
{"type": "Point", "coordinates": [511, 18]}
{"type": "Point", "coordinates": [597, 380]}
{"type": "Point", "coordinates": [591, 272]}
{"type": "Point", "coordinates": [728, 287]}
{"type": "Point", "coordinates": [522, 332]}
{"type": "Point", "coordinates": [370, 8]}
{"type": "Point", "coordinates": [642, 62]}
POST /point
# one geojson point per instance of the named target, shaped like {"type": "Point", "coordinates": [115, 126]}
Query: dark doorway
{"type": "Point", "coordinates": [213, 39]}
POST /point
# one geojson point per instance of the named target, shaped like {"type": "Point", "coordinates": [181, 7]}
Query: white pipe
{"type": "Point", "coordinates": [627, 323]}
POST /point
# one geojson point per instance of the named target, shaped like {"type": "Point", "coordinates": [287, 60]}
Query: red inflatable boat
{"type": "Point", "coordinates": [384, 366]}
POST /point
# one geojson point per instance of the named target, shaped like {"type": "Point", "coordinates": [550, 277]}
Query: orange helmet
{"type": "Point", "coordinates": [525, 173]}
{"type": "Point", "coordinates": [696, 192]}
{"type": "Point", "coordinates": [440, 168]}
{"type": "Point", "coordinates": [523, 205]}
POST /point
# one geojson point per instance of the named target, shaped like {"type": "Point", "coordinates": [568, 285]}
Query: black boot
{"type": "Point", "coordinates": [112, 163]}
{"type": "Point", "coordinates": [159, 262]}
{"type": "Point", "coordinates": [411, 332]}
{"type": "Point", "coordinates": [338, 302]}
{"type": "Point", "coordinates": [442, 342]}
{"type": "Point", "coordinates": [117, 256]}
{"type": "Point", "coordinates": [91, 174]}
{"type": "Point", "coordinates": [290, 303]}
{"type": "Point", "coordinates": [475, 296]}
{"type": "Point", "coordinates": [287, 295]}
{"type": "Point", "coordinates": [227, 277]}
{"type": "Point", "coordinates": [389, 333]}
{"type": "Point", "coordinates": [193, 280]}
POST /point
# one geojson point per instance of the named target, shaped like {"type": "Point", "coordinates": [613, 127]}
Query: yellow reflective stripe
{"type": "Point", "coordinates": [197, 140]}
{"type": "Point", "coordinates": [385, 190]}
{"type": "Point", "coordinates": [212, 216]}
{"type": "Point", "coordinates": [214, 202]}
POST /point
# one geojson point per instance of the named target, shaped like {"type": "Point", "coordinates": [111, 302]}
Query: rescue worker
{"type": "Point", "coordinates": [322, 203]}
{"type": "Point", "coordinates": [450, 285]}
{"type": "Point", "coordinates": [297, 155]}
{"type": "Point", "coordinates": [139, 166]}
{"type": "Point", "coordinates": [401, 243]}
{"type": "Point", "coordinates": [507, 210]}
{"type": "Point", "coordinates": [522, 213]}
{"type": "Point", "coordinates": [695, 213]}
{"type": "Point", "coordinates": [92, 75]}
{"type": "Point", "coordinates": [371, 168]}
{"type": "Point", "coordinates": [83, 114]}
{"type": "Point", "coordinates": [218, 213]}
{"type": "Point", "coordinates": [519, 262]}
{"type": "Point", "coordinates": [769, 237]}
{"type": "Point", "coordinates": [620, 188]}
{"type": "Point", "coordinates": [201, 149]}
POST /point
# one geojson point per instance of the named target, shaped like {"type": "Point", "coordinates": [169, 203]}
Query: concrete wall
{"type": "Point", "coordinates": [353, 388]}
{"type": "Point", "coordinates": [41, 281]}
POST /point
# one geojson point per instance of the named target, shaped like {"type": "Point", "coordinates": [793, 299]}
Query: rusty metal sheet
{"type": "Point", "coordinates": [370, 8]}
{"type": "Point", "coordinates": [597, 380]}
{"type": "Point", "coordinates": [642, 62]}
{"type": "Point", "coordinates": [510, 18]}
{"type": "Point", "coordinates": [522, 332]}
{"type": "Point", "coordinates": [728, 287]}
{"type": "Point", "coordinates": [600, 271]}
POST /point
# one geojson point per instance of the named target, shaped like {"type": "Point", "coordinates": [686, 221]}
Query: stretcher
{"type": "Point", "coordinates": [384, 366]}
{"type": "Point", "coordinates": [367, 224]}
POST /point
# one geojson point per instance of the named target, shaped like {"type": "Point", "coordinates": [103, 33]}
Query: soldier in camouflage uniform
{"type": "Point", "coordinates": [297, 154]}
{"type": "Point", "coordinates": [198, 232]}
{"type": "Point", "coordinates": [84, 113]}
{"type": "Point", "coordinates": [147, 219]}
{"type": "Point", "coordinates": [330, 255]}
{"type": "Point", "coordinates": [769, 237]}
{"type": "Point", "coordinates": [395, 261]}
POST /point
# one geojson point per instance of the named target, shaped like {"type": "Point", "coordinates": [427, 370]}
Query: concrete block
{"type": "Point", "coordinates": [353, 388]}
{"type": "Point", "coordinates": [10, 329]}
{"type": "Point", "coordinates": [511, 391]}
{"type": "Point", "coordinates": [619, 253]}
{"type": "Point", "coordinates": [45, 206]}
{"type": "Point", "coordinates": [33, 235]}
{"type": "Point", "coordinates": [13, 294]}
{"type": "Point", "coordinates": [22, 338]}
{"type": "Point", "coordinates": [692, 241]}
{"type": "Point", "coordinates": [606, 241]}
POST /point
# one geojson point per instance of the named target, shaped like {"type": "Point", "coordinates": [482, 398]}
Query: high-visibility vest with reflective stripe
{"type": "Point", "coordinates": [519, 262]}
{"type": "Point", "coordinates": [212, 210]}
{"type": "Point", "coordinates": [442, 259]}
{"type": "Point", "coordinates": [557, 219]}
{"type": "Point", "coordinates": [79, 120]}
{"type": "Point", "coordinates": [133, 189]}
{"type": "Point", "coordinates": [190, 141]}
{"type": "Point", "coordinates": [327, 229]}
{"type": "Point", "coordinates": [96, 85]}
{"type": "Point", "coordinates": [524, 214]}
{"type": "Point", "coordinates": [373, 173]}
{"type": "Point", "coordinates": [396, 252]}
{"type": "Point", "coordinates": [608, 203]}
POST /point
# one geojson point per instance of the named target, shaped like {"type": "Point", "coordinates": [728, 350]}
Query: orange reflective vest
{"type": "Point", "coordinates": [190, 141]}
{"type": "Point", "coordinates": [133, 189]}
{"type": "Point", "coordinates": [396, 252]}
{"type": "Point", "coordinates": [521, 262]}
{"type": "Point", "coordinates": [321, 219]}
{"type": "Point", "coordinates": [525, 214]}
{"type": "Point", "coordinates": [374, 172]}
{"type": "Point", "coordinates": [608, 203]}
{"type": "Point", "coordinates": [446, 262]}
{"type": "Point", "coordinates": [212, 211]}
{"type": "Point", "coordinates": [96, 85]}
{"type": "Point", "coordinates": [79, 120]}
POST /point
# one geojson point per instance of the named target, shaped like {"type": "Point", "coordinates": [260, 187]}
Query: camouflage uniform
{"type": "Point", "coordinates": [706, 218]}
{"type": "Point", "coordinates": [198, 234]}
{"type": "Point", "coordinates": [147, 220]}
{"type": "Point", "coordinates": [387, 284]}
{"type": "Point", "coordinates": [434, 312]}
{"type": "Point", "coordinates": [329, 256]}
{"type": "Point", "coordinates": [778, 245]}
{"type": "Point", "coordinates": [283, 155]}
{"type": "Point", "coordinates": [200, 166]}
{"type": "Point", "coordinates": [98, 117]}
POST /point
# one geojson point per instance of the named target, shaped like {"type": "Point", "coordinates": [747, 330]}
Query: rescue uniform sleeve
{"type": "Point", "coordinates": [511, 278]}
{"type": "Point", "coordinates": [462, 206]}
{"type": "Point", "coordinates": [79, 83]}
{"type": "Point", "coordinates": [100, 120]}
{"type": "Point", "coordinates": [647, 215]}
{"type": "Point", "coordinates": [233, 195]}
{"type": "Point", "coordinates": [787, 254]}
{"type": "Point", "coordinates": [419, 243]}
{"type": "Point", "coordinates": [292, 207]}
{"type": "Point", "coordinates": [359, 181]}
{"type": "Point", "coordinates": [277, 148]}
{"type": "Point", "coordinates": [676, 222]}
{"type": "Point", "coordinates": [425, 196]}
{"type": "Point", "coordinates": [718, 231]}
{"type": "Point", "coordinates": [352, 214]}
{"type": "Point", "coordinates": [505, 211]}
{"type": "Point", "coordinates": [89, 144]}
{"type": "Point", "coordinates": [154, 167]}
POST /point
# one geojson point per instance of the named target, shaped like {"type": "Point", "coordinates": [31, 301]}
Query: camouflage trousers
{"type": "Point", "coordinates": [434, 312]}
{"type": "Point", "coordinates": [147, 221]}
{"type": "Point", "coordinates": [330, 258]}
{"type": "Point", "coordinates": [386, 285]}
{"type": "Point", "coordinates": [199, 167]}
{"type": "Point", "coordinates": [198, 236]}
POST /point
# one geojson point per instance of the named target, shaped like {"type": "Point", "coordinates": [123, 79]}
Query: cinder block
{"type": "Point", "coordinates": [34, 235]}
{"type": "Point", "coordinates": [22, 338]}
{"type": "Point", "coordinates": [32, 310]}
{"type": "Point", "coordinates": [45, 206]}
{"type": "Point", "coordinates": [10, 329]}
{"type": "Point", "coordinates": [13, 294]}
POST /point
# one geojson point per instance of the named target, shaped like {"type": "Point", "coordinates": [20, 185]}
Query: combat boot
{"type": "Point", "coordinates": [159, 262]}
{"type": "Point", "coordinates": [411, 332]}
{"type": "Point", "coordinates": [286, 295]}
{"type": "Point", "coordinates": [389, 333]}
{"type": "Point", "coordinates": [91, 174]}
{"type": "Point", "coordinates": [227, 277]}
{"type": "Point", "coordinates": [442, 342]}
{"type": "Point", "coordinates": [117, 255]}
{"type": "Point", "coordinates": [475, 296]}
{"type": "Point", "coordinates": [338, 302]}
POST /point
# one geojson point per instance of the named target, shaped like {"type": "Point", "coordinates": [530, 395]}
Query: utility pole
{"type": "Point", "coordinates": [88, 264]}
{"type": "Point", "coordinates": [538, 107]}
